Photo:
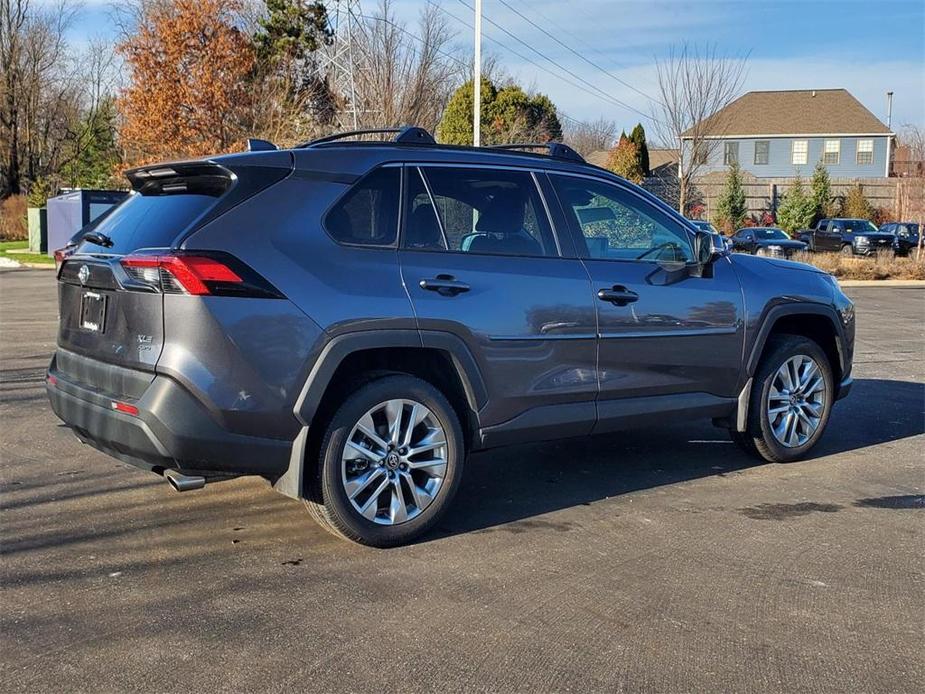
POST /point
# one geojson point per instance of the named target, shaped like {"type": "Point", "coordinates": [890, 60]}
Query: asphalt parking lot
{"type": "Point", "coordinates": [646, 561]}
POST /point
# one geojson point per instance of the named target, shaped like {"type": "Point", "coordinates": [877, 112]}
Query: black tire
{"type": "Point", "coordinates": [847, 250]}
{"type": "Point", "coordinates": [327, 501]}
{"type": "Point", "coordinates": [758, 439]}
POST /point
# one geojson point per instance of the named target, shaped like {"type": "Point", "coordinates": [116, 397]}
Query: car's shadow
{"type": "Point", "coordinates": [513, 484]}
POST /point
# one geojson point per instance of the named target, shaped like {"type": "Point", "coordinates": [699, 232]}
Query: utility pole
{"type": "Point", "coordinates": [339, 61]}
{"type": "Point", "coordinates": [477, 81]}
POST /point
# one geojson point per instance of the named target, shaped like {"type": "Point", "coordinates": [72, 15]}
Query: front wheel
{"type": "Point", "coordinates": [847, 250]}
{"type": "Point", "coordinates": [390, 463]}
{"type": "Point", "coordinates": [792, 395]}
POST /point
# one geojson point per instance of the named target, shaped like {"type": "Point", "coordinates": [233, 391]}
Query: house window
{"type": "Point", "coordinates": [831, 152]}
{"type": "Point", "coordinates": [799, 151]}
{"type": "Point", "coordinates": [730, 153]}
{"type": "Point", "coordinates": [865, 151]}
{"type": "Point", "coordinates": [761, 151]}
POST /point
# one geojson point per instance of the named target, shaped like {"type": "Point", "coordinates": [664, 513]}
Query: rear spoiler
{"type": "Point", "coordinates": [199, 177]}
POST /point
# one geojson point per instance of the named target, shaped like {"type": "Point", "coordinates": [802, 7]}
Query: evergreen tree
{"type": "Point", "coordinates": [856, 204]}
{"type": "Point", "coordinates": [821, 187]}
{"type": "Point", "coordinates": [624, 160]}
{"type": "Point", "coordinates": [731, 209]}
{"type": "Point", "coordinates": [638, 135]}
{"type": "Point", "coordinates": [292, 30]}
{"type": "Point", "coordinates": [96, 155]}
{"type": "Point", "coordinates": [508, 114]}
{"type": "Point", "coordinates": [797, 209]}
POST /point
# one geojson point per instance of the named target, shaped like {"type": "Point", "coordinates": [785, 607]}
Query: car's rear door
{"type": "Point", "coordinates": [480, 260]}
{"type": "Point", "coordinates": [669, 340]}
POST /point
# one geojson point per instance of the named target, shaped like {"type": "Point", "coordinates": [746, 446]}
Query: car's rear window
{"type": "Point", "coordinates": [148, 221]}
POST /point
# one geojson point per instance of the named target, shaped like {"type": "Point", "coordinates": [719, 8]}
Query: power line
{"type": "Point", "coordinates": [609, 97]}
{"type": "Point", "coordinates": [450, 56]}
{"type": "Point", "coordinates": [597, 92]}
{"type": "Point", "coordinates": [572, 50]}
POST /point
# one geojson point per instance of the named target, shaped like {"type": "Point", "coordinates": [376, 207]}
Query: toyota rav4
{"type": "Point", "coordinates": [349, 319]}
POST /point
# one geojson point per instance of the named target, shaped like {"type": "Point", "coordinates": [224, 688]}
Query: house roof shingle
{"type": "Point", "coordinates": [797, 112]}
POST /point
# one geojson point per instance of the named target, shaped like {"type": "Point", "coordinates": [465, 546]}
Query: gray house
{"type": "Point", "coordinates": [779, 134]}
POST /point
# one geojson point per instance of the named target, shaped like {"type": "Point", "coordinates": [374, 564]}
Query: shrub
{"type": "Point", "coordinates": [14, 225]}
{"type": "Point", "coordinates": [856, 205]}
{"type": "Point", "coordinates": [731, 210]}
{"type": "Point", "coordinates": [885, 266]}
{"type": "Point", "coordinates": [624, 160]}
{"type": "Point", "coordinates": [797, 209]}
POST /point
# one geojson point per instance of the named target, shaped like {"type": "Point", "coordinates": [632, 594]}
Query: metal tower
{"type": "Point", "coordinates": [340, 60]}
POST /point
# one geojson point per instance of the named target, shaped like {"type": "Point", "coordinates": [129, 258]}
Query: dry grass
{"type": "Point", "coordinates": [885, 266]}
{"type": "Point", "coordinates": [13, 224]}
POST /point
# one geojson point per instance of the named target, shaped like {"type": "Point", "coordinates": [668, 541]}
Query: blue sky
{"type": "Point", "coordinates": [866, 46]}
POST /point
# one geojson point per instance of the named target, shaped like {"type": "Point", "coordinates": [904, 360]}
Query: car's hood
{"type": "Point", "coordinates": [875, 235]}
{"type": "Point", "coordinates": [783, 243]}
{"type": "Point", "coordinates": [748, 258]}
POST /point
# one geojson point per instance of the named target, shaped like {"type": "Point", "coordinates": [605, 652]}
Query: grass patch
{"type": "Point", "coordinates": [885, 266]}
{"type": "Point", "coordinates": [38, 258]}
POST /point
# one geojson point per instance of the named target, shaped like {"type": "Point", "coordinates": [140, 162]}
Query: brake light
{"type": "Point", "coordinates": [188, 274]}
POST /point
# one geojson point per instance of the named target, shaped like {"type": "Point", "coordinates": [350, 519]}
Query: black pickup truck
{"type": "Point", "coordinates": [848, 236]}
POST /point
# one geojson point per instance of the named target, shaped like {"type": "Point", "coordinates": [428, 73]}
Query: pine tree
{"type": "Point", "coordinates": [731, 209]}
{"type": "Point", "coordinates": [292, 30]}
{"type": "Point", "coordinates": [638, 135]}
{"type": "Point", "coordinates": [856, 204]}
{"type": "Point", "coordinates": [797, 209]}
{"type": "Point", "coordinates": [624, 160]}
{"type": "Point", "coordinates": [821, 187]}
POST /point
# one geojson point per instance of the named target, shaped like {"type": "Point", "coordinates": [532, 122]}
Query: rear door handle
{"type": "Point", "coordinates": [445, 285]}
{"type": "Point", "coordinates": [618, 295]}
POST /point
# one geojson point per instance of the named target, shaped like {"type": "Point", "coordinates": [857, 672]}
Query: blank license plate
{"type": "Point", "coordinates": [92, 311]}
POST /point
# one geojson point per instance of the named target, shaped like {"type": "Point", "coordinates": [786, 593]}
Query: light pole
{"type": "Point", "coordinates": [477, 81]}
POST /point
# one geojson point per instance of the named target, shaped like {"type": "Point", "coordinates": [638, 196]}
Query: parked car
{"type": "Point", "coordinates": [848, 236]}
{"type": "Point", "coordinates": [766, 241]}
{"type": "Point", "coordinates": [349, 320]}
{"type": "Point", "coordinates": [905, 236]}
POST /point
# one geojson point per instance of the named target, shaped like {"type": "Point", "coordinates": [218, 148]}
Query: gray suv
{"type": "Point", "coordinates": [349, 319]}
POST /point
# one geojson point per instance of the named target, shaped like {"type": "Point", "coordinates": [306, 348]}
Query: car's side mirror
{"type": "Point", "coordinates": [707, 248]}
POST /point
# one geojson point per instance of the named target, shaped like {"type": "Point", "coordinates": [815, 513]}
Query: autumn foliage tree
{"type": "Point", "coordinates": [188, 94]}
{"type": "Point", "coordinates": [623, 160]}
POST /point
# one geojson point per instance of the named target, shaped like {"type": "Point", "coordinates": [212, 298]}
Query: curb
{"type": "Point", "coordinates": [893, 284]}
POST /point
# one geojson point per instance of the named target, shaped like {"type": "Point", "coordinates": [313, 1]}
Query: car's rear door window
{"type": "Point", "coordinates": [481, 211]}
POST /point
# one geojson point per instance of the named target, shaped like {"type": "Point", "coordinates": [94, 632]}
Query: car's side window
{"type": "Point", "coordinates": [483, 211]}
{"type": "Point", "coordinates": [368, 214]}
{"type": "Point", "coordinates": [617, 225]}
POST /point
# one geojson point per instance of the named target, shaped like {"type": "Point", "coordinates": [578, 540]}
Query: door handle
{"type": "Point", "coordinates": [445, 285]}
{"type": "Point", "coordinates": [618, 295]}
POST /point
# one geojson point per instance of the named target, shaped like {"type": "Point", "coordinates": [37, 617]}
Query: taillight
{"type": "Point", "coordinates": [216, 274]}
{"type": "Point", "coordinates": [179, 274]}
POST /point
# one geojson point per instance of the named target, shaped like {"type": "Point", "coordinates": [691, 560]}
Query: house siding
{"type": "Point", "coordinates": [779, 151]}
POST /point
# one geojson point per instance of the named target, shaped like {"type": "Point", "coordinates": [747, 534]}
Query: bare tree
{"type": "Point", "coordinates": [694, 85]}
{"type": "Point", "coordinates": [586, 138]}
{"type": "Point", "coordinates": [405, 76]}
{"type": "Point", "coordinates": [910, 183]}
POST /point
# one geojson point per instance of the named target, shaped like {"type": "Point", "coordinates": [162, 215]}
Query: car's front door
{"type": "Point", "coordinates": [669, 340]}
{"type": "Point", "coordinates": [480, 260]}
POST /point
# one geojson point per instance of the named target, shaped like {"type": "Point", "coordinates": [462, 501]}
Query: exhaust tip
{"type": "Point", "coordinates": [184, 483]}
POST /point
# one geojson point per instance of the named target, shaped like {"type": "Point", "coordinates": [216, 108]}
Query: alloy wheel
{"type": "Point", "coordinates": [394, 461]}
{"type": "Point", "coordinates": [796, 401]}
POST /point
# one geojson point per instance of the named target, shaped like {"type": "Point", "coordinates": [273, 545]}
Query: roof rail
{"type": "Point", "coordinates": [556, 150]}
{"type": "Point", "coordinates": [407, 134]}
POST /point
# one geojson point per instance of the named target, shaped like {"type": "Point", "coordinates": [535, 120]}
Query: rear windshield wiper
{"type": "Point", "coordinates": [98, 238]}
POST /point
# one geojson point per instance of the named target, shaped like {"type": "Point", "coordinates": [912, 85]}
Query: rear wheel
{"type": "Point", "coordinates": [791, 399]}
{"type": "Point", "coordinates": [390, 463]}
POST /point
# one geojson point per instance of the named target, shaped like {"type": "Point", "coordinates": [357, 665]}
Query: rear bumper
{"type": "Point", "coordinates": [171, 430]}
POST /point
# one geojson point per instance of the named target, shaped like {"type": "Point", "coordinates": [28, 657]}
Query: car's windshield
{"type": "Point", "coordinates": [858, 226]}
{"type": "Point", "coordinates": [771, 234]}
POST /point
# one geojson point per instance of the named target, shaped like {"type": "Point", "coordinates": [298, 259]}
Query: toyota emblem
{"type": "Point", "coordinates": [83, 274]}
